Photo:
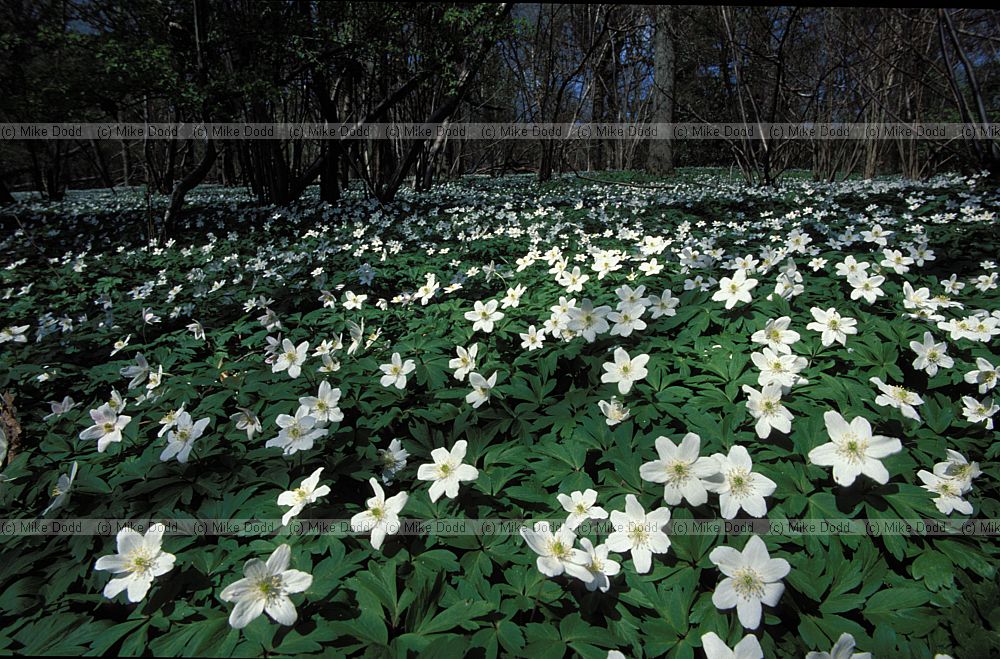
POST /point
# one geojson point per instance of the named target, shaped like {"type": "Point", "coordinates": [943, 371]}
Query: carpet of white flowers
{"type": "Point", "coordinates": [603, 360]}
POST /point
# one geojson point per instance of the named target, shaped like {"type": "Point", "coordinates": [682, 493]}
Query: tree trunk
{"type": "Point", "coordinates": [5, 196]}
{"type": "Point", "coordinates": [329, 182]}
{"type": "Point", "coordinates": [228, 167]}
{"type": "Point", "coordinates": [194, 177]}
{"type": "Point", "coordinates": [661, 154]}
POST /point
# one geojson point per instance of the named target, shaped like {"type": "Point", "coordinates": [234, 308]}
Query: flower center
{"type": "Point", "coordinates": [947, 488]}
{"type": "Point", "coordinates": [739, 483]}
{"type": "Point", "coordinates": [558, 549]}
{"type": "Point", "coordinates": [961, 472]}
{"type": "Point", "coordinates": [748, 584]}
{"type": "Point", "coordinates": [140, 561]}
{"type": "Point", "coordinates": [108, 426]}
{"type": "Point", "coordinates": [638, 535]}
{"type": "Point", "coordinates": [270, 587]}
{"type": "Point", "coordinates": [853, 449]}
{"type": "Point", "coordinates": [901, 394]}
{"type": "Point", "coordinates": [678, 472]}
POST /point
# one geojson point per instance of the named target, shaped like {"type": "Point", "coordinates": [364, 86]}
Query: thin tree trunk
{"type": "Point", "coordinates": [186, 184]}
{"type": "Point", "coordinates": [661, 156]}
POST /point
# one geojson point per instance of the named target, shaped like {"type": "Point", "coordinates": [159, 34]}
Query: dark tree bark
{"type": "Point", "coordinates": [5, 196]}
{"type": "Point", "coordinates": [186, 184]}
{"type": "Point", "coordinates": [661, 155]}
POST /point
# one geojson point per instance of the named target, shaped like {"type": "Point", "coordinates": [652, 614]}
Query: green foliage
{"type": "Point", "coordinates": [540, 434]}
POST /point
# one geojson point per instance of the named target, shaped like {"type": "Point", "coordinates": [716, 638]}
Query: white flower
{"type": "Point", "coordinates": [715, 648]}
{"type": "Point", "coordinates": [246, 420]}
{"type": "Point", "coordinates": [842, 649]}
{"type": "Point", "coordinates": [899, 397]}
{"type": "Point", "coordinates": [752, 578]}
{"type": "Point", "coordinates": [866, 286]}
{"type": "Point", "coordinates": [957, 467]}
{"type": "Point", "coordinates": [196, 329]}
{"type": "Point", "coordinates": [60, 407]}
{"type": "Point", "coordinates": [393, 459]}
{"type": "Point", "coordinates": [740, 486]}
{"type": "Point", "coordinates": [599, 566]}
{"type": "Point", "coordinates": [766, 407]}
{"type": "Point", "coordinates": [976, 411]}
{"type": "Point", "coordinates": [780, 368]}
{"type": "Point", "coordinates": [776, 335]}
{"type": "Point", "coordinates": [832, 325]}
{"type": "Point", "coordinates": [949, 491]}
{"type": "Point", "coordinates": [155, 378]}
{"type": "Point", "coordinates": [447, 471]}
{"type": "Point", "coordinates": [639, 532]}
{"type": "Point", "coordinates": [650, 267]}
{"type": "Point", "coordinates": [682, 471]}
{"type": "Point", "coordinates": [382, 515]}
{"type": "Point", "coordinates": [513, 297]}
{"type": "Point", "coordinates": [465, 362]}
{"type": "Point", "coordinates": [573, 280]}
{"type": "Point", "coordinates": [532, 339]}
{"type": "Point", "coordinates": [624, 371]}
{"type": "Point", "coordinates": [481, 388]}
{"type": "Point", "coordinates": [180, 441]}
{"type": "Point", "coordinates": [138, 372]}
{"type": "Point", "coordinates": [61, 490]}
{"type": "Point", "coordinates": [484, 315]}
{"type": "Point", "coordinates": [291, 358]}
{"type": "Point", "coordinates": [265, 588]}
{"type": "Point", "coordinates": [613, 411]}
{"type": "Point", "coordinates": [15, 334]}
{"type": "Point", "coordinates": [853, 450]}
{"type": "Point", "coordinates": [140, 559]}
{"type": "Point", "coordinates": [556, 553]}
{"type": "Point", "coordinates": [895, 261]}
{"type": "Point", "coordinates": [107, 427]}
{"type": "Point", "coordinates": [323, 406]}
{"type": "Point", "coordinates": [627, 296]}
{"type": "Point", "coordinates": [735, 289]}
{"type": "Point", "coordinates": [588, 321]}
{"type": "Point", "coordinates": [850, 267]}
{"type": "Point", "coordinates": [396, 371]}
{"type": "Point", "coordinates": [307, 492]}
{"type": "Point", "coordinates": [352, 301]}
{"type": "Point", "coordinates": [986, 375]}
{"type": "Point", "coordinates": [931, 355]}
{"type": "Point", "coordinates": [580, 506]}
{"type": "Point", "coordinates": [662, 305]}
{"type": "Point", "coordinates": [627, 320]}
{"type": "Point", "coordinates": [297, 432]}
{"type": "Point", "coordinates": [169, 420]}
